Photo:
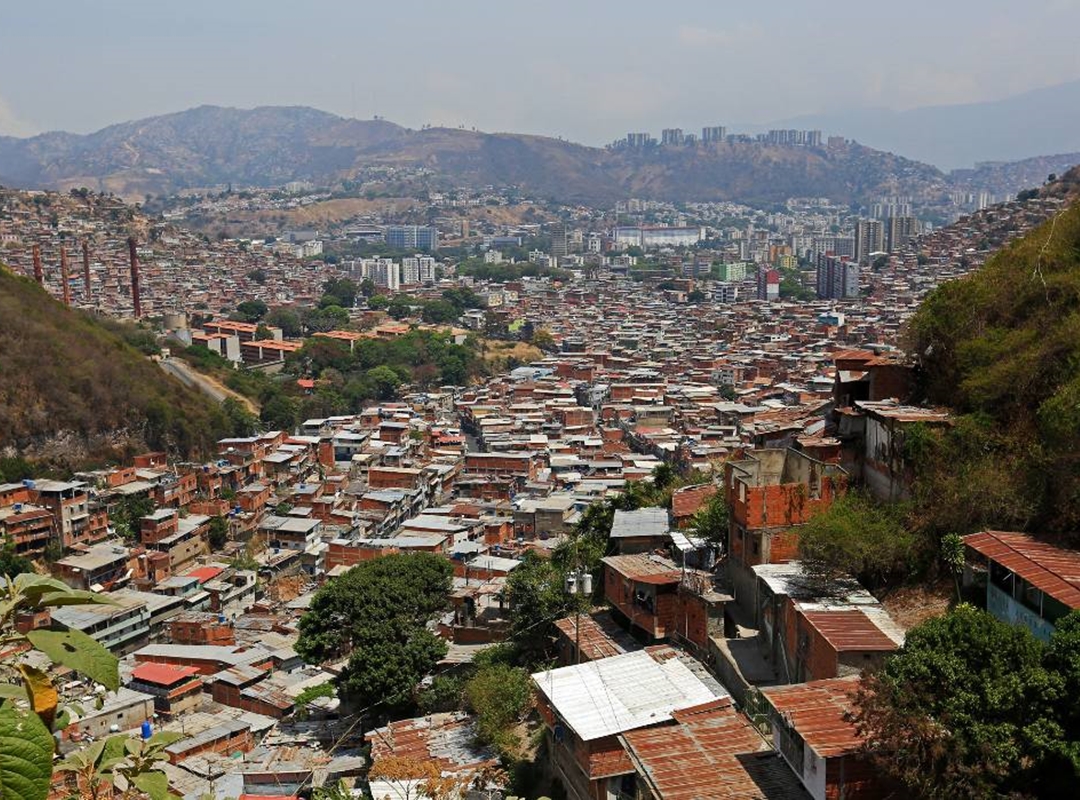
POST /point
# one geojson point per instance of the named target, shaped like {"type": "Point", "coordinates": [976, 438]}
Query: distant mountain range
{"type": "Point", "coordinates": [957, 136]}
{"type": "Point", "coordinates": [269, 146]}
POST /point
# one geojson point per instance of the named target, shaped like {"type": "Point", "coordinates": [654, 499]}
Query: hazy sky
{"type": "Point", "coordinates": [589, 70]}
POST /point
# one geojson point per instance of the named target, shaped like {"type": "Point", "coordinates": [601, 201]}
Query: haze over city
{"type": "Point", "coordinates": [584, 71]}
{"type": "Point", "coordinates": [502, 401]}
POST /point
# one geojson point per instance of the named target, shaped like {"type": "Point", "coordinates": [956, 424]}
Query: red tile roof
{"type": "Point", "coordinates": [162, 674]}
{"type": "Point", "coordinates": [204, 574]}
{"type": "Point", "coordinates": [819, 712]}
{"type": "Point", "coordinates": [711, 753]}
{"type": "Point", "coordinates": [1054, 570]}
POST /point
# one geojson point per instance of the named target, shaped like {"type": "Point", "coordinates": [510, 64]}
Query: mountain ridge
{"type": "Point", "coordinates": [271, 145]}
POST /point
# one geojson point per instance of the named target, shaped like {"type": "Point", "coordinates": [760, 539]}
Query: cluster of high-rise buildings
{"type": "Point", "coordinates": [386, 273]}
{"type": "Point", "coordinates": [711, 134]}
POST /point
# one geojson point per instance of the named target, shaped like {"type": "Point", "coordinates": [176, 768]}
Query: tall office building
{"type": "Point", "coordinates": [768, 284]}
{"type": "Point", "coordinates": [713, 133]}
{"type": "Point", "coordinates": [837, 277]}
{"type": "Point", "coordinates": [869, 238]}
{"type": "Point", "coordinates": [412, 237]}
{"type": "Point", "coordinates": [671, 136]}
{"type": "Point", "coordinates": [558, 240]}
{"type": "Point", "coordinates": [899, 231]}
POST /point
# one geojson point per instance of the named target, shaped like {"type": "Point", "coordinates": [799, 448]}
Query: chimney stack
{"type": "Point", "coordinates": [39, 276]}
{"type": "Point", "coordinates": [65, 276]}
{"type": "Point", "coordinates": [134, 277]}
{"type": "Point", "coordinates": [86, 270]}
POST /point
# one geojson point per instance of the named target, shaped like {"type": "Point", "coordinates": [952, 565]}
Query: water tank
{"type": "Point", "coordinates": [29, 484]}
{"type": "Point", "coordinates": [586, 583]}
{"type": "Point", "coordinates": [147, 729]}
{"type": "Point", "coordinates": [18, 508]}
{"type": "Point", "coordinates": [571, 584]}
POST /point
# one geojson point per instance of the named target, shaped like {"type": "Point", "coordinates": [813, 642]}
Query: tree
{"type": "Point", "coordinates": [342, 290]}
{"type": "Point", "coordinates": [251, 310]}
{"type": "Point", "coordinates": [384, 380]}
{"type": "Point", "coordinates": [258, 275]}
{"type": "Point", "coordinates": [858, 536]}
{"type": "Point", "coordinates": [972, 707]}
{"type": "Point", "coordinates": [696, 296]}
{"type": "Point", "coordinates": [11, 563]}
{"type": "Point", "coordinates": [286, 319]}
{"type": "Point", "coordinates": [327, 318]}
{"type": "Point", "coordinates": [376, 614]}
{"type": "Point", "coordinates": [544, 340]}
{"type": "Point", "coordinates": [399, 307]}
{"type": "Point", "coordinates": [368, 288]}
{"type": "Point", "coordinates": [537, 597]}
{"type": "Point", "coordinates": [218, 532]}
{"type": "Point", "coordinates": [440, 312]}
{"type": "Point", "coordinates": [14, 468]}
{"type": "Point", "coordinates": [280, 413]}
{"type": "Point", "coordinates": [125, 516]}
{"type": "Point", "coordinates": [241, 421]}
{"type": "Point", "coordinates": [499, 695]}
{"type": "Point", "coordinates": [711, 520]}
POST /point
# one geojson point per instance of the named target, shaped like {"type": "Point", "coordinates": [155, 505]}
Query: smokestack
{"type": "Point", "coordinates": [39, 276]}
{"type": "Point", "coordinates": [64, 276]}
{"type": "Point", "coordinates": [134, 277]}
{"type": "Point", "coordinates": [86, 270]}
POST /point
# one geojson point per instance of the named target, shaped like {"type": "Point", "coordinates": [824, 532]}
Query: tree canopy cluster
{"type": "Point", "coordinates": [972, 707]}
{"type": "Point", "coordinates": [376, 615]}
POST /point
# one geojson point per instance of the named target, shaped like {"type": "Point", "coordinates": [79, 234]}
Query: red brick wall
{"type": "Point", "coordinates": [818, 660]}
{"type": "Point", "coordinates": [379, 478]}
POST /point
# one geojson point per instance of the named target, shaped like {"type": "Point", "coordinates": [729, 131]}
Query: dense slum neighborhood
{"type": "Point", "coordinates": [707, 671]}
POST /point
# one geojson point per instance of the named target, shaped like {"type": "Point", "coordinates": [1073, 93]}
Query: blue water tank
{"type": "Point", "coordinates": [29, 484]}
{"type": "Point", "coordinates": [147, 730]}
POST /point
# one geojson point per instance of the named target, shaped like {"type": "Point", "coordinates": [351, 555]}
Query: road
{"type": "Point", "coordinates": [189, 377]}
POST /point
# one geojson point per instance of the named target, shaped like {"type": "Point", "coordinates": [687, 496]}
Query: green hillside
{"type": "Point", "coordinates": [73, 390]}
{"type": "Point", "coordinates": [1002, 348]}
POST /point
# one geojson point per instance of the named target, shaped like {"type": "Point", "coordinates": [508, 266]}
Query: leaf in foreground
{"type": "Point", "coordinates": [26, 751]}
{"type": "Point", "coordinates": [77, 651]}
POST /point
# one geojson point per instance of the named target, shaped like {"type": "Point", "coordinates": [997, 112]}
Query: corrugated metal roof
{"type": "Point", "coordinates": [711, 754]}
{"type": "Point", "coordinates": [448, 739]}
{"type": "Point", "coordinates": [600, 636]}
{"type": "Point", "coordinates": [645, 568]}
{"type": "Point", "coordinates": [1052, 569]}
{"type": "Point", "coordinates": [819, 712]}
{"type": "Point", "coordinates": [621, 693]}
{"type": "Point", "coordinates": [685, 502]}
{"type": "Point", "coordinates": [162, 674]}
{"type": "Point", "coordinates": [850, 630]}
{"type": "Point", "coordinates": [650, 522]}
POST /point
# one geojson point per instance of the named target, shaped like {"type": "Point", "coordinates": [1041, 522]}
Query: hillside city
{"type": "Point", "coordinates": [494, 401]}
{"type": "Point", "coordinates": [582, 453]}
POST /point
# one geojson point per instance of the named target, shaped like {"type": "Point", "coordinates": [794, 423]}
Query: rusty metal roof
{"type": "Point", "coordinates": [685, 502]}
{"type": "Point", "coordinates": [819, 712]}
{"type": "Point", "coordinates": [448, 739]}
{"type": "Point", "coordinates": [600, 636]}
{"type": "Point", "coordinates": [1052, 569]}
{"type": "Point", "coordinates": [645, 568]}
{"type": "Point", "coordinates": [711, 753]}
{"type": "Point", "coordinates": [850, 630]}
